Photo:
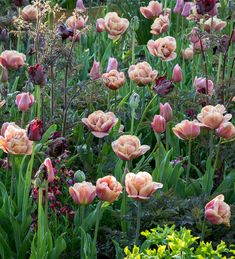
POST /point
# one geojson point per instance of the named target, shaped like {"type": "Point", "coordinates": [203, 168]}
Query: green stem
{"type": "Point", "coordinates": [38, 97]}
{"type": "Point", "coordinates": [159, 155]}
{"type": "Point", "coordinates": [132, 120]}
{"type": "Point", "coordinates": [115, 101]}
{"type": "Point", "coordinates": [138, 223]}
{"type": "Point", "coordinates": [40, 210]}
{"type": "Point", "coordinates": [219, 67]}
{"type": "Point", "coordinates": [82, 215]}
{"type": "Point", "coordinates": [210, 143]}
{"type": "Point", "coordinates": [217, 155]}
{"type": "Point", "coordinates": [124, 201]}
{"type": "Point", "coordinates": [189, 158]}
{"type": "Point", "coordinates": [46, 207]}
{"type": "Point", "coordinates": [203, 229]}
{"type": "Point", "coordinates": [22, 119]}
{"type": "Point", "coordinates": [12, 176]}
{"type": "Point", "coordinates": [167, 137]}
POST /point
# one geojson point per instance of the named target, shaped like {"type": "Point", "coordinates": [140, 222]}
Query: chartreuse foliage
{"type": "Point", "coordinates": [170, 243]}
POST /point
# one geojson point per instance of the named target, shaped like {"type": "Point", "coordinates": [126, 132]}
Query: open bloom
{"type": "Point", "coordinates": [205, 6]}
{"type": "Point", "coordinates": [114, 79]}
{"type": "Point", "coordinates": [35, 130]}
{"type": "Point", "coordinates": [153, 10]}
{"type": "Point", "coordinates": [215, 24]}
{"type": "Point", "coordinates": [29, 13]}
{"type": "Point", "coordinates": [202, 86]}
{"type": "Point", "coordinates": [166, 111]}
{"type": "Point", "coordinates": [140, 186]}
{"type": "Point", "coordinates": [100, 123]}
{"type": "Point", "coordinates": [128, 147]}
{"type": "Point", "coordinates": [186, 129]}
{"type": "Point", "coordinates": [212, 116]}
{"type": "Point", "coordinates": [163, 48]}
{"type": "Point", "coordinates": [163, 86]}
{"type": "Point", "coordinates": [177, 73]}
{"type": "Point", "coordinates": [160, 25]}
{"type": "Point", "coordinates": [159, 124]}
{"type": "Point", "coordinates": [217, 211]}
{"type": "Point", "coordinates": [12, 59]}
{"type": "Point", "coordinates": [95, 70]}
{"type": "Point", "coordinates": [14, 140]}
{"type": "Point", "coordinates": [50, 170]}
{"type": "Point", "coordinates": [24, 101]}
{"type": "Point", "coordinates": [83, 193]}
{"type": "Point", "coordinates": [75, 22]}
{"type": "Point", "coordinates": [115, 26]}
{"type": "Point", "coordinates": [108, 188]}
{"type": "Point", "coordinates": [142, 73]}
{"type": "Point", "coordinates": [226, 130]}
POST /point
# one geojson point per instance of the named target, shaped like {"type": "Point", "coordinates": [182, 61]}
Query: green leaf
{"type": "Point", "coordinates": [48, 133]}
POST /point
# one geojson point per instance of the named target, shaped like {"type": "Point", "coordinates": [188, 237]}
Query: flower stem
{"type": "Point", "coordinates": [132, 120]}
{"type": "Point", "coordinates": [210, 143]}
{"type": "Point", "coordinates": [203, 229]}
{"type": "Point", "coordinates": [38, 97]}
{"type": "Point", "coordinates": [124, 201]}
{"type": "Point", "coordinates": [189, 158]}
{"type": "Point", "coordinates": [46, 207]}
{"type": "Point", "coordinates": [40, 211]}
{"type": "Point", "coordinates": [167, 137]}
{"type": "Point", "coordinates": [82, 214]}
{"type": "Point", "coordinates": [138, 223]}
{"type": "Point", "coordinates": [217, 155]}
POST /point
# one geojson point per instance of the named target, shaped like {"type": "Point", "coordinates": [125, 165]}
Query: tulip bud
{"type": "Point", "coordinates": [80, 6]}
{"type": "Point", "coordinates": [159, 124]}
{"type": "Point", "coordinates": [95, 71]}
{"type": "Point", "coordinates": [177, 74]}
{"type": "Point", "coordinates": [135, 23]}
{"type": "Point", "coordinates": [100, 25]}
{"type": "Point", "coordinates": [134, 101]}
{"type": "Point", "coordinates": [163, 86]}
{"type": "Point", "coordinates": [4, 35]}
{"type": "Point", "coordinates": [37, 75]}
{"type": "Point", "coordinates": [49, 169]}
{"type": "Point", "coordinates": [35, 130]}
{"type": "Point", "coordinates": [166, 111]}
{"type": "Point", "coordinates": [187, 8]}
{"type": "Point", "coordinates": [79, 176]}
{"type": "Point", "coordinates": [112, 64]}
{"type": "Point", "coordinates": [226, 130]}
{"type": "Point", "coordinates": [24, 101]}
{"type": "Point", "coordinates": [179, 6]}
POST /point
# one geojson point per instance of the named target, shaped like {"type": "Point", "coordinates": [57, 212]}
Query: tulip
{"type": "Point", "coordinates": [160, 25]}
{"type": "Point", "coordinates": [188, 53]}
{"type": "Point", "coordinates": [217, 211]}
{"type": "Point", "coordinates": [187, 130]}
{"type": "Point", "coordinates": [205, 6]}
{"type": "Point", "coordinates": [24, 101]}
{"type": "Point", "coordinates": [140, 186]}
{"type": "Point", "coordinates": [179, 6]}
{"type": "Point", "coordinates": [158, 124]}
{"type": "Point", "coordinates": [14, 140]}
{"type": "Point", "coordinates": [142, 73]}
{"type": "Point", "coordinates": [50, 171]}
{"type": "Point", "coordinates": [100, 25]}
{"type": "Point", "coordinates": [134, 101]}
{"type": "Point", "coordinates": [114, 79]}
{"type": "Point", "coordinates": [35, 130]}
{"type": "Point", "coordinates": [166, 111]}
{"type": "Point", "coordinates": [11, 59]}
{"type": "Point", "coordinates": [212, 116]}
{"type": "Point", "coordinates": [177, 74]}
{"type": "Point", "coordinates": [95, 70]}
{"type": "Point", "coordinates": [4, 34]}
{"type": "Point", "coordinates": [112, 64]}
{"type": "Point", "coordinates": [128, 147]}
{"type": "Point", "coordinates": [187, 9]}
{"type": "Point", "coordinates": [163, 48]}
{"type": "Point", "coordinates": [29, 13]}
{"type": "Point", "coordinates": [75, 23]}
{"type": "Point", "coordinates": [80, 6]}
{"type": "Point", "coordinates": [226, 130]}
{"type": "Point", "coordinates": [215, 24]}
{"type": "Point", "coordinates": [83, 193]}
{"type": "Point", "coordinates": [37, 75]}
{"type": "Point", "coordinates": [163, 86]}
{"type": "Point", "coordinates": [153, 10]}
{"type": "Point", "coordinates": [108, 188]}
{"type": "Point", "coordinates": [203, 85]}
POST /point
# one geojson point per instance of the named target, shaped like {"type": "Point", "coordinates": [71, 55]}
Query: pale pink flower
{"type": "Point", "coordinates": [112, 64]}
{"type": "Point", "coordinates": [114, 79]}
{"type": "Point", "coordinates": [226, 130]}
{"type": "Point", "coordinates": [215, 24]}
{"type": "Point", "coordinates": [160, 25]}
{"type": "Point", "coordinates": [159, 124]}
{"type": "Point", "coordinates": [166, 111]}
{"type": "Point", "coordinates": [201, 85]}
{"type": "Point", "coordinates": [177, 74]}
{"type": "Point", "coordinates": [153, 10]}
{"type": "Point", "coordinates": [75, 22]}
{"type": "Point", "coordinates": [100, 25]}
{"type": "Point", "coordinates": [95, 70]}
{"type": "Point", "coordinates": [186, 129]}
{"type": "Point", "coordinates": [188, 53]}
{"type": "Point", "coordinates": [80, 6]}
{"type": "Point", "coordinates": [50, 170]}
{"type": "Point", "coordinates": [24, 101]}
{"type": "Point", "coordinates": [12, 59]}
{"type": "Point", "coordinates": [29, 13]}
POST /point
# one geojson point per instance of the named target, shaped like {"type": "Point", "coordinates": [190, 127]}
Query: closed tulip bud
{"type": "Point", "coordinates": [187, 9]}
{"type": "Point", "coordinates": [158, 124]}
{"type": "Point", "coordinates": [95, 71]}
{"type": "Point", "coordinates": [226, 130]}
{"type": "Point", "coordinates": [136, 23]}
{"type": "Point", "coordinates": [4, 34]}
{"type": "Point", "coordinates": [134, 101]}
{"type": "Point", "coordinates": [80, 6]}
{"type": "Point", "coordinates": [179, 6]}
{"type": "Point", "coordinates": [35, 130]}
{"type": "Point", "coordinates": [100, 25]}
{"type": "Point", "coordinates": [24, 101]}
{"type": "Point", "coordinates": [177, 74]}
{"type": "Point", "coordinates": [37, 75]}
{"type": "Point", "coordinates": [79, 176]}
{"type": "Point", "coordinates": [112, 64]}
{"type": "Point", "coordinates": [49, 169]}
{"type": "Point", "coordinates": [166, 111]}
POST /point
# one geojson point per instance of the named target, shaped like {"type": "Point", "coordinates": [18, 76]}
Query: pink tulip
{"type": "Point", "coordinates": [140, 186]}
{"type": "Point", "coordinates": [187, 8]}
{"type": "Point", "coordinates": [179, 6]}
{"type": "Point", "coordinates": [166, 111]}
{"type": "Point", "coordinates": [188, 53]}
{"type": "Point", "coordinates": [202, 86]}
{"type": "Point", "coordinates": [112, 64]}
{"type": "Point", "coordinates": [214, 24]}
{"type": "Point", "coordinates": [29, 13]}
{"type": "Point", "coordinates": [24, 101]}
{"type": "Point", "coordinates": [12, 59]}
{"type": "Point", "coordinates": [80, 6]}
{"type": "Point", "coordinates": [160, 25]}
{"type": "Point", "coordinates": [177, 74]}
{"type": "Point", "coordinates": [153, 10]}
{"type": "Point", "coordinates": [187, 129]}
{"type": "Point", "coordinates": [114, 79]}
{"type": "Point", "coordinates": [100, 25]}
{"type": "Point", "coordinates": [158, 124]}
{"type": "Point", "coordinates": [95, 70]}
{"type": "Point", "coordinates": [50, 171]}
{"type": "Point", "coordinates": [217, 211]}
{"type": "Point", "coordinates": [108, 188]}
{"type": "Point", "coordinates": [83, 193]}
{"type": "Point", "coordinates": [226, 130]}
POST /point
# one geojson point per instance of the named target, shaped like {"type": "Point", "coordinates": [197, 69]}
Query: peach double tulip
{"type": "Point", "coordinates": [202, 86]}
{"type": "Point", "coordinates": [159, 124]}
{"type": "Point", "coordinates": [100, 123]}
{"type": "Point", "coordinates": [188, 53]}
{"type": "Point", "coordinates": [24, 101]}
{"type": "Point", "coordinates": [166, 111]}
{"type": "Point", "coordinates": [29, 13]}
{"type": "Point", "coordinates": [75, 22]}
{"type": "Point", "coordinates": [128, 147]}
{"type": "Point", "coordinates": [83, 193]}
{"type": "Point", "coordinates": [14, 140]}
{"type": "Point", "coordinates": [163, 48]}
{"type": "Point", "coordinates": [12, 59]}
{"type": "Point", "coordinates": [153, 10]}
{"type": "Point", "coordinates": [226, 130]}
{"type": "Point", "coordinates": [140, 186]}
{"type": "Point", "coordinates": [108, 188]}
{"type": "Point", "coordinates": [142, 73]}
{"type": "Point", "coordinates": [217, 211]}
{"type": "Point", "coordinates": [187, 130]}
{"type": "Point", "coordinates": [212, 116]}
{"type": "Point", "coordinates": [113, 79]}
{"type": "Point", "coordinates": [215, 24]}
{"type": "Point", "coordinates": [160, 25]}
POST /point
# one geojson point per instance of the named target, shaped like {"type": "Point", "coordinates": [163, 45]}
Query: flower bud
{"type": "Point", "coordinates": [100, 25]}
{"type": "Point", "coordinates": [135, 23]}
{"type": "Point", "coordinates": [166, 111]}
{"type": "Point", "coordinates": [4, 35]}
{"type": "Point", "coordinates": [187, 8]}
{"type": "Point", "coordinates": [163, 86]}
{"type": "Point", "coordinates": [37, 75]}
{"type": "Point", "coordinates": [226, 130]}
{"type": "Point", "coordinates": [80, 6]}
{"type": "Point", "coordinates": [158, 124]}
{"type": "Point", "coordinates": [35, 130]}
{"type": "Point", "coordinates": [95, 70]}
{"type": "Point", "coordinates": [177, 74]}
{"type": "Point", "coordinates": [24, 101]}
{"type": "Point", "coordinates": [112, 64]}
{"type": "Point", "coordinates": [49, 169]}
{"type": "Point", "coordinates": [134, 101]}
{"type": "Point", "coordinates": [79, 176]}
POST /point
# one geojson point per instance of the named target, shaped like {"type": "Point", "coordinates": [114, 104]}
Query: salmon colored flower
{"type": "Point", "coordinates": [115, 26]}
{"type": "Point", "coordinates": [166, 111]}
{"type": "Point", "coordinates": [12, 59]}
{"type": "Point", "coordinates": [163, 48]}
{"type": "Point", "coordinates": [186, 129]}
{"type": "Point", "coordinates": [217, 211]}
{"type": "Point", "coordinates": [128, 147]}
{"type": "Point", "coordinates": [108, 188]}
{"type": "Point", "coordinates": [75, 22]}
{"type": "Point", "coordinates": [177, 74]}
{"type": "Point", "coordinates": [201, 85]}
{"type": "Point", "coordinates": [100, 123]}
{"type": "Point", "coordinates": [14, 140]}
{"type": "Point", "coordinates": [50, 170]}
{"type": "Point", "coordinates": [215, 24]}
{"type": "Point", "coordinates": [24, 101]}
{"type": "Point", "coordinates": [188, 53]}
{"type": "Point", "coordinates": [212, 116]}
{"type": "Point", "coordinates": [29, 13]}
{"type": "Point", "coordinates": [226, 130]}
{"type": "Point", "coordinates": [159, 124]}
{"type": "Point", "coordinates": [83, 193]}
{"type": "Point", "coordinates": [100, 25]}
{"type": "Point", "coordinates": [153, 10]}
{"type": "Point", "coordinates": [142, 73]}
{"type": "Point", "coordinates": [140, 186]}
{"type": "Point", "coordinates": [95, 70]}
{"type": "Point", "coordinates": [160, 25]}
{"type": "Point", "coordinates": [114, 79]}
